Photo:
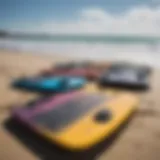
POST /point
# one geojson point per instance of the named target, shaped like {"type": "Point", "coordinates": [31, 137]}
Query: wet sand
{"type": "Point", "coordinates": [140, 139]}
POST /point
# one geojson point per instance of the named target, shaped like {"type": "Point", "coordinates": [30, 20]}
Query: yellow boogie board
{"type": "Point", "coordinates": [82, 119]}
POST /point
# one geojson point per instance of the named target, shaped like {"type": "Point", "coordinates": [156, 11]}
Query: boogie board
{"type": "Point", "coordinates": [78, 120]}
{"type": "Point", "coordinates": [50, 84]}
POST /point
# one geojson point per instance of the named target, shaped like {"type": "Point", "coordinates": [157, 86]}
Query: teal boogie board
{"type": "Point", "coordinates": [50, 84]}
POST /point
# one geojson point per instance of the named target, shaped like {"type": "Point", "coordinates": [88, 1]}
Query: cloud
{"type": "Point", "coordinates": [140, 20]}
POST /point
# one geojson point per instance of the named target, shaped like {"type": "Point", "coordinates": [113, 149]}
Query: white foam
{"type": "Point", "coordinates": [140, 53]}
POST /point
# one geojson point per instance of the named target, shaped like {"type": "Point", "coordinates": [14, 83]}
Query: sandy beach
{"type": "Point", "coordinates": [139, 140]}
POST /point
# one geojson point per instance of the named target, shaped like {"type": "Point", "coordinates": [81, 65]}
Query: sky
{"type": "Point", "coordinates": [81, 16]}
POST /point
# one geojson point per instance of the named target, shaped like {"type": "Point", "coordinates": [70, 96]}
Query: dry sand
{"type": "Point", "coordinates": [139, 140]}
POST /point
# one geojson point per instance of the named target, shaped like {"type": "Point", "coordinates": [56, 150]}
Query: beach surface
{"type": "Point", "coordinates": [139, 140]}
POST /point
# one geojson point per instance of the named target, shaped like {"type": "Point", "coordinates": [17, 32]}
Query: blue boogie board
{"type": "Point", "coordinates": [50, 84]}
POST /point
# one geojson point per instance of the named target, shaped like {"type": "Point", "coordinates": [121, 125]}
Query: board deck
{"type": "Point", "coordinates": [80, 119]}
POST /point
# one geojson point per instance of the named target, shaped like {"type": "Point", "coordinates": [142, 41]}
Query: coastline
{"type": "Point", "coordinates": [140, 140]}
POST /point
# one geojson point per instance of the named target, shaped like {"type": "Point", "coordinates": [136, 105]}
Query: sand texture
{"type": "Point", "coordinates": [139, 140]}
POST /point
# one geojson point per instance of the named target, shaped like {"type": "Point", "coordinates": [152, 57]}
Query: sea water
{"type": "Point", "coordinates": [133, 49]}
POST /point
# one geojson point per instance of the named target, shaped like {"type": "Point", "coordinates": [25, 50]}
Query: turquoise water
{"type": "Point", "coordinates": [88, 38]}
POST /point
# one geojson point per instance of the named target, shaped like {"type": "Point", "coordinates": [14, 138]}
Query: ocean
{"type": "Point", "coordinates": [143, 50]}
